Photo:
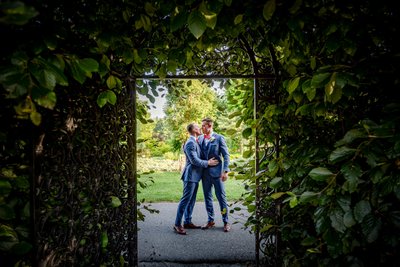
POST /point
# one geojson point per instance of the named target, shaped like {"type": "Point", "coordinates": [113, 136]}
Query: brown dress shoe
{"type": "Point", "coordinates": [208, 225]}
{"type": "Point", "coordinates": [191, 226]}
{"type": "Point", "coordinates": [179, 229]}
{"type": "Point", "coordinates": [227, 227]}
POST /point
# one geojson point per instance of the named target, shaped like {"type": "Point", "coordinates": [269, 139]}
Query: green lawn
{"type": "Point", "coordinates": [167, 187]}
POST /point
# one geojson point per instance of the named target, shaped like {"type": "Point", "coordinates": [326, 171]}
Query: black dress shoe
{"type": "Point", "coordinates": [191, 226]}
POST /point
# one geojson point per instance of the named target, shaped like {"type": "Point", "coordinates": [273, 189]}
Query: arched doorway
{"type": "Point", "coordinates": [89, 176]}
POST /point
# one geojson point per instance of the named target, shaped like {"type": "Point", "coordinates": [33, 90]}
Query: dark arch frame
{"type": "Point", "coordinates": [258, 68]}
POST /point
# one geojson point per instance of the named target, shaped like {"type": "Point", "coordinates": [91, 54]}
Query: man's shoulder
{"type": "Point", "coordinates": [217, 135]}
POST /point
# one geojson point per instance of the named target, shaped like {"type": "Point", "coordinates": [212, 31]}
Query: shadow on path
{"type": "Point", "coordinates": [160, 246]}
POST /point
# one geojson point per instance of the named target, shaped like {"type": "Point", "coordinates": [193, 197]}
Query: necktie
{"type": "Point", "coordinates": [207, 136]}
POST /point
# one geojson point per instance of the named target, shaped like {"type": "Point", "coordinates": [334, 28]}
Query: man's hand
{"type": "Point", "coordinates": [224, 176]}
{"type": "Point", "coordinates": [213, 162]}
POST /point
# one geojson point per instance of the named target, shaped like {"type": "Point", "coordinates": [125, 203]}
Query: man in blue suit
{"type": "Point", "coordinates": [213, 145]}
{"type": "Point", "coordinates": [191, 176]}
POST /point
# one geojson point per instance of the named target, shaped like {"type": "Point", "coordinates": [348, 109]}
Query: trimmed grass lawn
{"type": "Point", "coordinates": [167, 187]}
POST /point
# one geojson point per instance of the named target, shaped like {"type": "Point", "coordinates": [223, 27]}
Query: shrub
{"type": "Point", "coordinates": [171, 156]}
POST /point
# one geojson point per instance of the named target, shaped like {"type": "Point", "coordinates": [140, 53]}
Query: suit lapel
{"type": "Point", "coordinates": [209, 144]}
{"type": "Point", "coordinates": [203, 146]}
{"type": "Point", "coordinates": [198, 149]}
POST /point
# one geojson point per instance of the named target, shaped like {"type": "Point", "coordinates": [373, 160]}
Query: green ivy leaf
{"type": "Point", "coordinates": [321, 174]}
{"type": "Point", "coordinates": [277, 195]}
{"type": "Point", "coordinates": [269, 9]}
{"type": "Point", "coordinates": [150, 9]}
{"type": "Point", "coordinates": [44, 77]}
{"type": "Point", "coordinates": [361, 209]}
{"type": "Point", "coordinates": [228, 2]}
{"type": "Point", "coordinates": [55, 70]}
{"type": "Point", "coordinates": [127, 56]}
{"type": "Point", "coordinates": [348, 219]}
{"type": "Point", "coordinates": [330, 86]}
{"type": "Point", "coordinates": [235, 114]}
{"type": "Point", "coordinates": [8, 238]}
{"type": "Point", "coordinates": [145, 22]}
{"type": "Point", "coordinates": [298, 97]}
{"type": "Point", "coordinates": [115, 202]}
{"type": "Point", "coordinates": [275, 183]}
{"type": "Point", "coordinates": [308, 196]}
{"type": "Point", "coordinates": [77, 73]}
{"type": "Point", "coordinates": [247, 133]}
{"type": "Point", "coordinates": [341, 153]}
{"type": "Point", "coordinates": [371, 227]}
{"type": "Point", "coordinates": [104, 239]}
{"type": "Point", "coordinates": [266, 228]}
{"type": "Point", "coordinates": [5, 187]}
{"type": "Point", "coordinates": [15, 82]}
{"type": "Point", "coordinates": [336, 95]}
{"type": "Point", "coordinates": [293, 202]}
{"type": "Point", "coordinates": [308, 90]}
{"type": "Point", "coordinates": [293, 84]}
{"type": "Point", "coordinates": [337, 220]}
{"type": "Point", "coordinates": [16, 12]}
{"type": "Point", "coordinates": [22, 182]}
{"type": "Point", "coordinates": [211, 20]}
{"type": "Point", "coordinates": [111, 82]}
{"type": "Point", "coordinates": [88, 65]}
{"type": "Point", "coordinates": [351, 172]}
{"type": "Point", "coordinates": [47, 101]}
{"type": "Point", "coordinates": [344, 202]}
{"type": "Point", "coordinates": [35, 117]}
{"type": "Point", "coordinates": [313, 63]}
{"type": "Point", "coordinates": [197, 23]}
{"type": "Point", "coordinates": [238, 19]}
{"type": "Point", "coordinates": [247, 154]}
{"type": "Point", "coordinates": [308, 241]}
{"type": "Point", "coordinates": [319, 80]}
{"type": "Point", "coordinates": [136, 56]}
{"type": "Point", "coordinates": [334, 242]}
{"type": "Point", "coordinates": [106, 97]}
{"type": "Point", "coordinates": [351, 136]}
{"type": "Point", "coordinates": [178, 21]}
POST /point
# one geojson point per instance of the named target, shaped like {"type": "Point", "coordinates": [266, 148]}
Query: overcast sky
{"type": "Point", "coordinates": [158, 110]}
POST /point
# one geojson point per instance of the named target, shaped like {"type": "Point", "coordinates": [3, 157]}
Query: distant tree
{"type": "Point", "coordinates": [225, 125]}
{"type": "Point", "coordinates": [188, 102]}
{"type": "Point", "coordinates": [161, 129]}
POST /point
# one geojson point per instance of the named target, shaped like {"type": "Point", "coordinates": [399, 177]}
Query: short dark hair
{"type": "Point", "coordinates": [208, 120]}
{"type": "Point", "coordinates": [190, 127]}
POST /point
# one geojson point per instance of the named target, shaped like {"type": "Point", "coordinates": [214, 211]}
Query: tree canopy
{"type": "Point", "coordinates": [188, 102]}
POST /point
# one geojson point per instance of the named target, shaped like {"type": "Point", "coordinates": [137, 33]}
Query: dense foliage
{"type": "Point", "coordinates": [336, 111]}
{"type": "Point", "coordinates": [335, 107]}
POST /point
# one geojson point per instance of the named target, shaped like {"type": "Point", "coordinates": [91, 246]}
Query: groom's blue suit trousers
{"type": "Point", "coordinates": [219, 187]}
{"type": "Point", "coordinates": [188, 200]}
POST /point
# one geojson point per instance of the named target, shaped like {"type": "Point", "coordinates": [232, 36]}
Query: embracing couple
{"type": "Point", "coordinates": [203, 162]}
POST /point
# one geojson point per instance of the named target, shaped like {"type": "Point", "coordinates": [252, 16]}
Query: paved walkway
{"type": "Point", "coordinates": [160, 246]}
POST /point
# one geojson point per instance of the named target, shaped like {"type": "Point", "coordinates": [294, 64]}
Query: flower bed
{"type": "Point", "coordinates": [158, 164]}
